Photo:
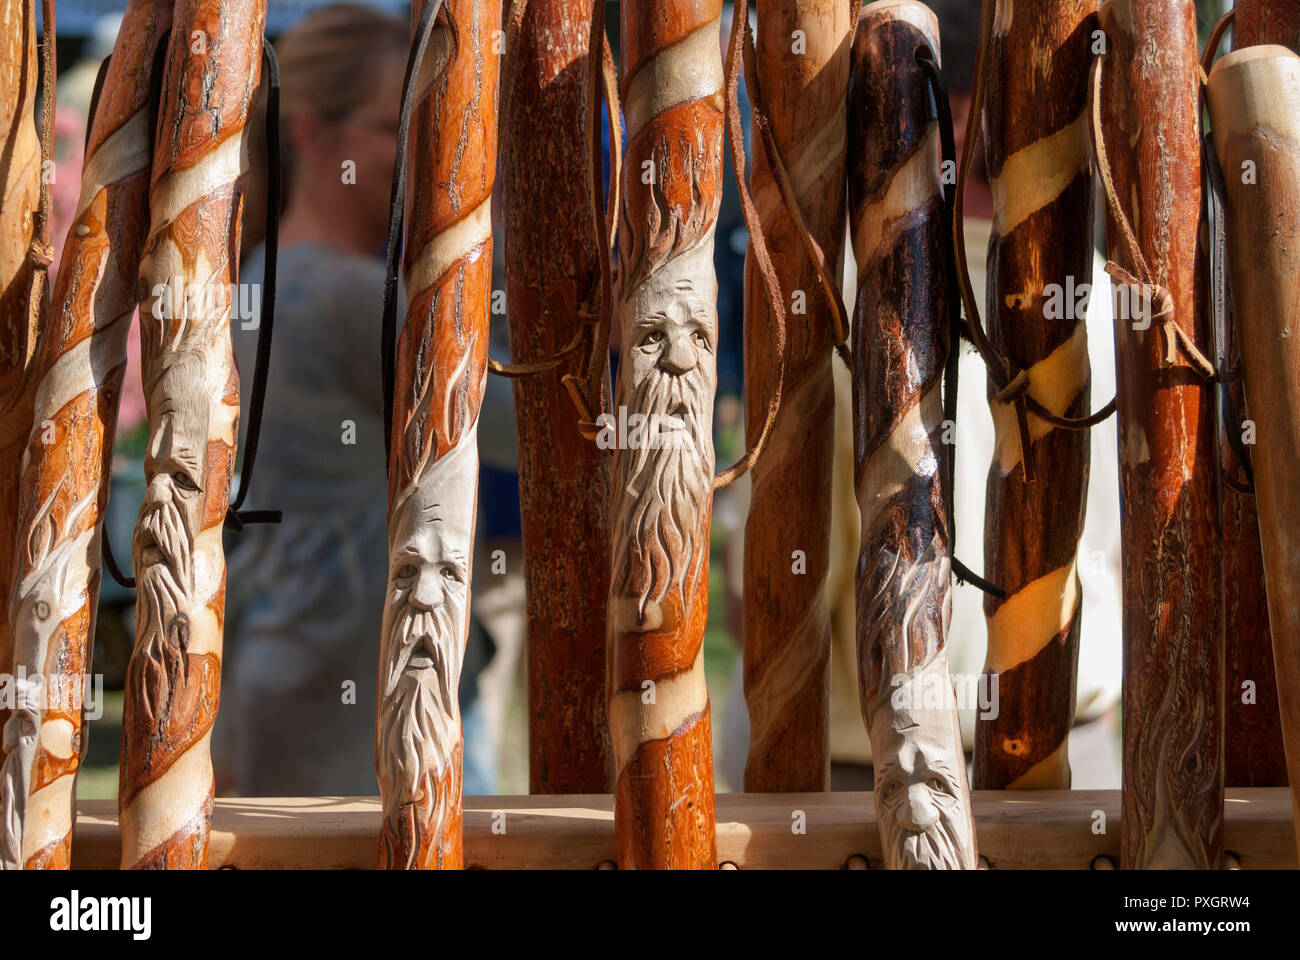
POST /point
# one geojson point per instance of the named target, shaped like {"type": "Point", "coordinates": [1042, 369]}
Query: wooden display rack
{"type": "Point", "coordinates": [1052, 829]}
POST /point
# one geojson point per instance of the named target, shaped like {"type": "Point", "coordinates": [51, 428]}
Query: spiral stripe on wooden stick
{"type": "Point", "coordinates": [20, 192]}
{"type": "Point", "coordinates": [802, 58]}
{"type": "Point", "coordinates": [63, 491]}
{"type": "Point", "coordinates": [212, 68]}
{"type": "Point", "coordinates": [1036, 144]}
{"type": "Point", "coordinates": [433, 468]}
{"type": "Point", "coordinates": [901, 343]}
{"type": "Point", "coordinates": [663, 480]}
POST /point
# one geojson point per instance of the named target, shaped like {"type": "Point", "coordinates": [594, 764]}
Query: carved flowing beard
{"type": "Point", "coordinates": [661, 493]}
{"type": "Point", "coordinates": [937, 847]}
{"type": "Point", "coordinates": [163, 591]}
{"type": "Point", "coordinates": [419, 722]}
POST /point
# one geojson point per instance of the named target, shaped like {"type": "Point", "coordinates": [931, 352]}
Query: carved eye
{"type": "Point", "coordinates": [699, 338]}
{"type": "Point", "coordinates": [891, 789]}
{"type": "Point", "coordinates": [653, 338]}
{"type": "Point", "coordinates": [937, 784]}
{"type": "Point", "coordinates": [449, 572]}
{"type": "Point", "coordinates": [406, 571]}
{"type": "Point", "coordinates": [184, 482]}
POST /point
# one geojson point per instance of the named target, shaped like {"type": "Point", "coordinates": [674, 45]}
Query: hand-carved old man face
{"type": "Point", "coordinates": [170, 520]}
{"type": "Point", "coordinates": [425, 621]}
{"type": "Point", "coordinates": [920, 775]}
{"type": "Point", "coordinates": [669, 370]}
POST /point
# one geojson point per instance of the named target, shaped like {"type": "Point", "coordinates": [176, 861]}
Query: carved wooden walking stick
{"type": "Point", "coordinates": [802, 59]}
{"type": "Point", "coordinates": [63, 493]}
{"type": "Point", "coordinates": [1254, 755]}
{"type": "Point", "coordinates": [553, 277]}
{"type": "Point", "coordinates": [1146, 98]}
{"type": "Point", "coordinates": [211, 72]}
{"type": "Point", "coordinates": [900, 346]}
{"type": "Point", "coordinates": [24, 259]}
{"type": "Point", "coordinates": [662, 488]}
{"type": "Point", "coordinates": [1254, 100]}
{"type": "Point", "coordinates": [1031, 81]}
{"type": "Point", "coordinates": [433, 461]}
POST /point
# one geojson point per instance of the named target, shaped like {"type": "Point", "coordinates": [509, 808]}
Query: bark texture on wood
{"type": "Point", "coordinates": [210, 78]}
{"type": "Point", "coordinates": [900, 344]}
{"type": "Point", "coordinates": [433, 467]}
{"type": "Point", "coordinates": [1168, 465]}
{"type": "Point", "coordinates": [672, 90]}
{"type": "Point", "coordinates": [1266, 21]}
{"type": "Point", "coordinates": [803, 59]}
{"type": "Point", "coordinates": [1036, 145]}
{"type": "Point", "coordinates": [1253, 752]}
{"type": "Point", "coordinates": [552, 290]}
{"type": "Point", "coordinates": [63, 494]}
{"type": "Point", "coordinates": [20, 191]}
{"type": "Point", "coordinates": [1254, 98]}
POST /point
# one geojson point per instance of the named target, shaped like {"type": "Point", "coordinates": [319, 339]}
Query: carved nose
{"type": "Point", "coordinates": [160, 490]}
{"type": "Point", "coordinates": [679, 358]}
{"type": "Point", "coordinates": [428, 593]}
{"type": "Point", "coordinates": [919, 812]}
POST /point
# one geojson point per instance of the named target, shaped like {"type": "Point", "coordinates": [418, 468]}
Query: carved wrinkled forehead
{"type": "Point", "coordinates": [689, 275]}
{"type": "Point", "coordinates": [442, 500]}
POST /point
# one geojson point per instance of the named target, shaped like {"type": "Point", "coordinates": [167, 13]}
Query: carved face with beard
{"type": "Point", "coordinates": [431, 531]}
{"type": "Point", "coordinates": [662, 487]}
{"type": "Point", "coordinates": [920, 791]}
{"type": "Point", "coordinates": [170, 520]}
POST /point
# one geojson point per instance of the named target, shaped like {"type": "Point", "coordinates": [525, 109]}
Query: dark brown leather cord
{"type": "Point", "coordinates": [1010, 380]}
{"type": "Point", "coordinates": [763, 127]}
{"type": "Point", "coordinates": [742, 39]}
{"type": "Point", "coordinates": [585, 391]}
{"type": "Point", "coordinates": [396, 206]}
{"type": "Point", "coordinates": [938, 90]}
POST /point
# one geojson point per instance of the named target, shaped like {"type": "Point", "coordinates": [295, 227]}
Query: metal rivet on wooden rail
{"type": "Point", "coordinates": [1102, 862]}
{"type": "Point", "coordinates": [856, 862]}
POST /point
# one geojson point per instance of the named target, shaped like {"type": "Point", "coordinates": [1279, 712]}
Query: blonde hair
{"type": "Point", "coordinates": [327, 59]}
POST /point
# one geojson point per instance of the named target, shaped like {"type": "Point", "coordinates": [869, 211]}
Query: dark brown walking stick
{"type": "Point", "coordinates": [802, 59]}
{"type": "Point", "coordinates": [553, 292]}
{"type": "Point", "coordinates": [1145, 97]}
{"type": "Point", "coordinates": [1254, 101]}
{"type": "Point", "coordinates": [212, 67]}
{"type": "Point", "coordinates": [450, 103]}
{"type": "Point", "coordinates": [900, 348]}
{"type": "Point", "coordinates": [1254, 755]}
{"type": "Point", "coordinates": [672, 91]}
{"type": "Point", "coordinates": [79, 372]}
{"type": "Point", "coordinates": [1031, 90]}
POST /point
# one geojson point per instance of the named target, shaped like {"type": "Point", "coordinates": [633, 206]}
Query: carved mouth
{"type": "Point", "coordinates": [150, 550]}
{"type": "Point", "coordinates": [424, 655]}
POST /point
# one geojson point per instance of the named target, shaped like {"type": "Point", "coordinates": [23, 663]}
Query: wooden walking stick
{"type": "Point", "coordinates": [441, 362]}
{"type": "Point", "coordinates": [1253, 752]}
{"type": "Point", "coordinates": [1145, 97]}
{"type": "Point", "coordinates": [64, 490]}
{"type": "Point", "coordinates": [663, 477]}
{"type": "Point", "coordinates": [553, 289]}
{"type": "Point", "coordinates": [802, 59]}
{"type": "Point", "coordinates": [1031, 81]}
{"type": "Point", "coordinates": [210, 76]}
{"type": "Point", "coordinates": [900, 346]}
{"type": "Point", "coordinates": [1254, 100]}
{"type": "Point", "coordinates": [24, 260]}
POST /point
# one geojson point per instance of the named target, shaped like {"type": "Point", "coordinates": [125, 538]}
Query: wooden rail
{"type": "Point", "coordinates": [1017, 830]}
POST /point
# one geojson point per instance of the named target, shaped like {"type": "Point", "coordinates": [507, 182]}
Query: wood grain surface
{"type": "Point", "coordinates": [63, 490]}
{"type": "Point", "coordinates": [1168, 465]}
{"type": "Point", "coordinates": [552, 291]}
{"type": "Point", "coordinates": [1254, 100]}
{"type": "Point", "coordinates": [900, 346]}
{"type": "Point", "coordinates": [1036, 149]}
{"type": "Point", "coordinates": [210, 77]}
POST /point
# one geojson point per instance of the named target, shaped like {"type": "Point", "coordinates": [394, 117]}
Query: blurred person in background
{"type": "Point", "coordinates": [305, 597]}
